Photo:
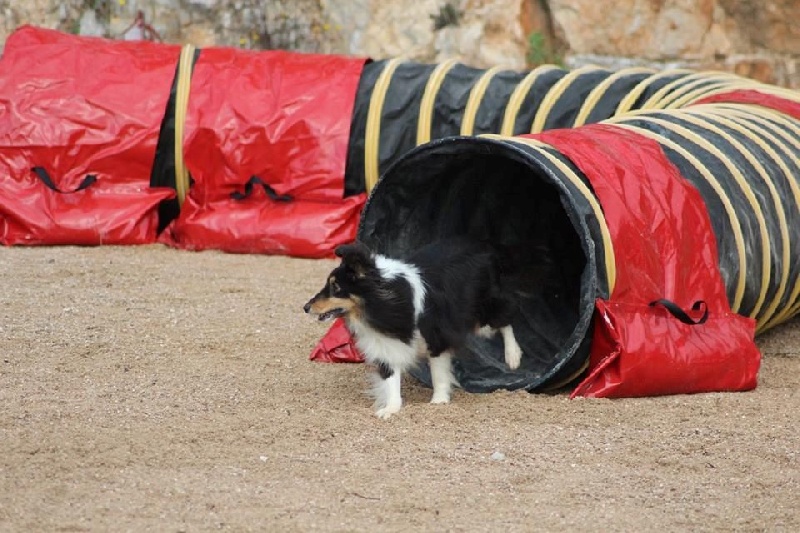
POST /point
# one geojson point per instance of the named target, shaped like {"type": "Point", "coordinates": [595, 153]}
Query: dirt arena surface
{"type": "Point", "coordinates": [149, 389]}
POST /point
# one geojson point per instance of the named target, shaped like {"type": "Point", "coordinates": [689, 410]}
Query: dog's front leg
{"type": "Point", "coordinates": [388, 398]}
{"type": "Point", "coordinates": [441, 377]}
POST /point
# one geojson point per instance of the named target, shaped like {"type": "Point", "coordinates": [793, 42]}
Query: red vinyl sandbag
{"type": "Point", "coordinates": [642, 350]}
{"type": "Point", "coordinates": [102, 212]}
{"type": "Point", "coordinates": [283, 118]}
{"type": "Point", "coordinates": [665, 249]}
{"type": "Point", "coordinates": [79, 106]}
{"type": "Point", "coordinates": [260, 224]}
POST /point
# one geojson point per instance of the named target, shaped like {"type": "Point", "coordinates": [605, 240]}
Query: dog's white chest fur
{"type": "Point", "coordinates": [379, 348]}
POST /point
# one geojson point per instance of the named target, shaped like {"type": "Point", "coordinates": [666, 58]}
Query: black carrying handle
{"type": "Point", "coordinates": [255, 180]}
{"type": "Point", "coordinates": [42, 174]}
{"type": "Point", "coordinates": [682, 315]}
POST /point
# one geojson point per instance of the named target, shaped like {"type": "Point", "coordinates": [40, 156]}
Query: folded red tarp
{"type": "Point", "coordinates": [337, 346]}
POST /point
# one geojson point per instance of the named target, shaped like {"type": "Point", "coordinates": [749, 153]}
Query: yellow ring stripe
{"type": "Point", "coordinates": [766, 113]}
{"type": "Point", "coordinates": [608, 245]}
{"type": "Point", "coordinates": [769, 117]}
{"type": "Point", "coordinates": [753, 114]}
{"type": "Point", "coordinates": [675, 88]}
{"type": "Point", "coordinates": [627, 103]}
{"type": "Point", "coordinates": [738, 236]}
{"type": "Point", "coordinates": [761, 127]}
{"type": "Point", "coordinates": [553, 95]}
{"type": "Point", "coordinates": [372, 132]}
{"type": "Point", "coordinates": [476, 95]}
{"type": "Point", "coordinates": [182, 90]}
{"type": "Point", "coordinates": [429, 98]}
{"type": "Point", "coordinates": [696, 87]}
{"type": "Point", "coordinates": [598, 92]}
{"type": "Point", "coordinates": [766, 266]}
{"type": "Point", "coordinates": [518, 97]}
{"type": "Point", "coordinates": [722, 85]}
{"type": "Point", "coordinates": [752, 85]}
{"type": "Point", "coordinates": [780, 214]}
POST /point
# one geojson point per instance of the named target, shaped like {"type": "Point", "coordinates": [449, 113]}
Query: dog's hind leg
{"type": "Point", "coordinates": [512, 349]}
{"type": "Point", "coordinates": [441, 377]}
{"type": "Point", "coordinates": [487, 332]}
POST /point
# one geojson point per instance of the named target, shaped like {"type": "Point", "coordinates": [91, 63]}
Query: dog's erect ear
{"type": "Point", "coordinates": [356, 256]}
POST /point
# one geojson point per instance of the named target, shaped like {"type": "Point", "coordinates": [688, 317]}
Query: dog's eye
{"type": "Point", "coordinates": [335, 287]}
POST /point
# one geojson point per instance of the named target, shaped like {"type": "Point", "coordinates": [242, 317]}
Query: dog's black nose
{"type": "Point", "coordinates": [307, 307]}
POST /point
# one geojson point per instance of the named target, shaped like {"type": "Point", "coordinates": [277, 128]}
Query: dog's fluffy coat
{"type": "Point", "coordinates": [429, 304]}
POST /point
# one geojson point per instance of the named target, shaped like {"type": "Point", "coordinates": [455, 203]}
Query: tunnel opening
{"type": "Point", "coordinates": [493, 191]}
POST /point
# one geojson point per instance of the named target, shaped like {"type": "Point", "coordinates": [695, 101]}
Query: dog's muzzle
{"type": "Point", "coordinates": [327, 315]}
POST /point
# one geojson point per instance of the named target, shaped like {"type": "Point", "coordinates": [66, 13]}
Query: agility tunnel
{"type": "Point", "coordinates": [676, 234]}
{"type": "Point", "coordinates": [114, 142]}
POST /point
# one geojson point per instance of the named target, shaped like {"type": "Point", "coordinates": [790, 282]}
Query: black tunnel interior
{"type": "Point", "coordinates": [489, 190]}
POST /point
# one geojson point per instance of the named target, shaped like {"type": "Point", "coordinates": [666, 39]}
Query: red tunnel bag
{"type": "Point", "coordinates": [665, 251]}
{"type": "Point", "coordinates": [281, 120]}
{"type": "Point", "coordinates": [77, 107]}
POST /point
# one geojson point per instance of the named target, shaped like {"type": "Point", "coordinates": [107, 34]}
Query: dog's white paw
{"type": "Point", "coordinates": [440, 398]}
{"type": "Point", "coordinates": [386, 412]}
{"type": "Point", "coordinates": [513, 355]}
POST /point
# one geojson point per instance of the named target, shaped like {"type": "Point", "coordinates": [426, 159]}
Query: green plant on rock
{"type": "Point", "coordinates": [540, 52]}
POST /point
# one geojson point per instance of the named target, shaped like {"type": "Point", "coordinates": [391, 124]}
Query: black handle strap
{"type": "Point", "coordinates": [42, 174]}
{"type": "Point", "coordinates": [255, 180]}
{"type": "Point", "coordinates": [682, 315]}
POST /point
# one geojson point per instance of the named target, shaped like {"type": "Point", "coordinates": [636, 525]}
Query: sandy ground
{"type": "Point", "coordinates": [153, 389]}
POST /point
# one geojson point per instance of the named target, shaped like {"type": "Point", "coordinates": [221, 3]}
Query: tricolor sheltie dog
{"type": "Point", "coordinates": [398, 311]}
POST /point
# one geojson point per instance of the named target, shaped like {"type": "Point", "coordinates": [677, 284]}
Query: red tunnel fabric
{"type": "Point", "coordinates": [664, 248]}
{"type": "Point", "coordinates": [283, 118]}
{"type": "Point", "coordinates": [79, 125]}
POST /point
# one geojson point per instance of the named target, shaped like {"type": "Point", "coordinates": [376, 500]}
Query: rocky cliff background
{"type": "Point", "coordinates": [755, 38]}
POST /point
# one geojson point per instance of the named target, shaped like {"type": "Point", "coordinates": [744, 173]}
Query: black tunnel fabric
{"type": "Point", "coordinates": [163, 170]}
{"type": "Point", "coordinates": [744, 160]}
{"type": "Point", "coordinates": [564, 100]}
{"type": "Point", "coordinates": [401, 104]}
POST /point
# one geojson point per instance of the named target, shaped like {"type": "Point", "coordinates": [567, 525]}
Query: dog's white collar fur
{"type": "Point", "coordinates": [392, 268]}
